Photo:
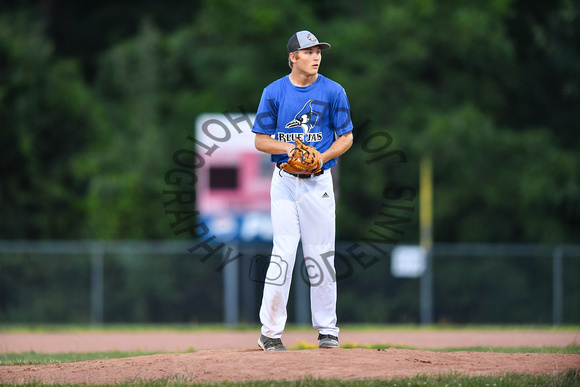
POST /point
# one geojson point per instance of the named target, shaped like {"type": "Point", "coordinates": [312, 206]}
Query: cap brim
{"type": "Point", "coordinates": [323, 46]}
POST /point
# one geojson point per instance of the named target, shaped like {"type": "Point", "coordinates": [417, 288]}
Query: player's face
{"type": "Point", "coordinates": [308, 60]}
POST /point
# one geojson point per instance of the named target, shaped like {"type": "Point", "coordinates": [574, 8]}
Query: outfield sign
{"type": "Point", "coordinates": [233, 184]}
{"type": "Point", "coordinates": [408, 261]}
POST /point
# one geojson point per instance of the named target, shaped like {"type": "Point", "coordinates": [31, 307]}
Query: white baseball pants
{"type": "Point", "coordinates": [301, 209]}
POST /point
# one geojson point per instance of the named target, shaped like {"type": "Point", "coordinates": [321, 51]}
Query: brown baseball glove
{"type": "Point", "coordinates": [304, 160]}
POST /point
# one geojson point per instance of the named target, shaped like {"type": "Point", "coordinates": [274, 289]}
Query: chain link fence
{"type": "Point", "coordinates": [172, 282]}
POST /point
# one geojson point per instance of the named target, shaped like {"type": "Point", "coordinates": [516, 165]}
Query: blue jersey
{"type": "Point", "coordinates": [316, 114]}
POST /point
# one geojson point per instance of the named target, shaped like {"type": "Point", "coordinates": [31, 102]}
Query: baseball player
{"type": "Point", "coordinates": [308, 111]}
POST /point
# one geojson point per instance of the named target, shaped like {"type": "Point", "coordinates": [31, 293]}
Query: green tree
{"type": "Point", "coordinates": [546, 92]}
{"type": "Point", "coordinates": [421, 60]}
{"type": "Point", "coordinates": [46, 118]}
{"type": "Point", "coordinates": [500, 185]}
{"type": "Point", "coordinates": [124, 164]}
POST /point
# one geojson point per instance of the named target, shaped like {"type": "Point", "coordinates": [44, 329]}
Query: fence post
{"type": "Point", "coordinates": [97, 258]}
{"type": "Point", "coordinates": [231, 291]}
{"type": "Point", "coordinates": [558, 286]}
{"type": "Point", "coordinates": [426, 290]}
{"type": "Point", "coordinates": [426, 236]}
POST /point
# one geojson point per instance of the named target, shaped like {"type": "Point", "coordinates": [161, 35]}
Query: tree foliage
{"type": "Point", "coordinates": [47, 118]}
{"type": "Point", "coordinates": [488, 89]}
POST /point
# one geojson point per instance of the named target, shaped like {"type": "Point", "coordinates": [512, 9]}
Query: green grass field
{"type": "Point", "coordinates": [571, 378]}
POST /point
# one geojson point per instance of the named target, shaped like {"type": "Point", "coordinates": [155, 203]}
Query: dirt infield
{"type": "Point", "coordinates": [233, 356]}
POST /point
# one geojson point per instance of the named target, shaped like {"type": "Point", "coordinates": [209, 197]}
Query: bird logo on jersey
{"type": "Point", "coordinates": [306, 118]}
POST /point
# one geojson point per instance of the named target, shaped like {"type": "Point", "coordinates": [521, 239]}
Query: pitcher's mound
{"type": "Point", "coordinates": [244, 365]}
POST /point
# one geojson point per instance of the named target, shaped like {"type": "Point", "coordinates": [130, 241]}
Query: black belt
{"type": "Point", "coordinates": [303, 176]}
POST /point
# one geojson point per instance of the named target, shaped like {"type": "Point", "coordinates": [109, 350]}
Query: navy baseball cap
{"type": "Point", "coordinates": [304, 39]}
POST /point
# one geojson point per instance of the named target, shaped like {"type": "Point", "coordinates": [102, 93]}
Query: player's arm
{"type": "Point", "coordinates": [338, 147]}
{"type": "Point", "coordinates": [265, 143]}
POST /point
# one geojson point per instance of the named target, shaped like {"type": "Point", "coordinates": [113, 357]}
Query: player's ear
{"type": "Point", "coordinates": [293, 57]}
